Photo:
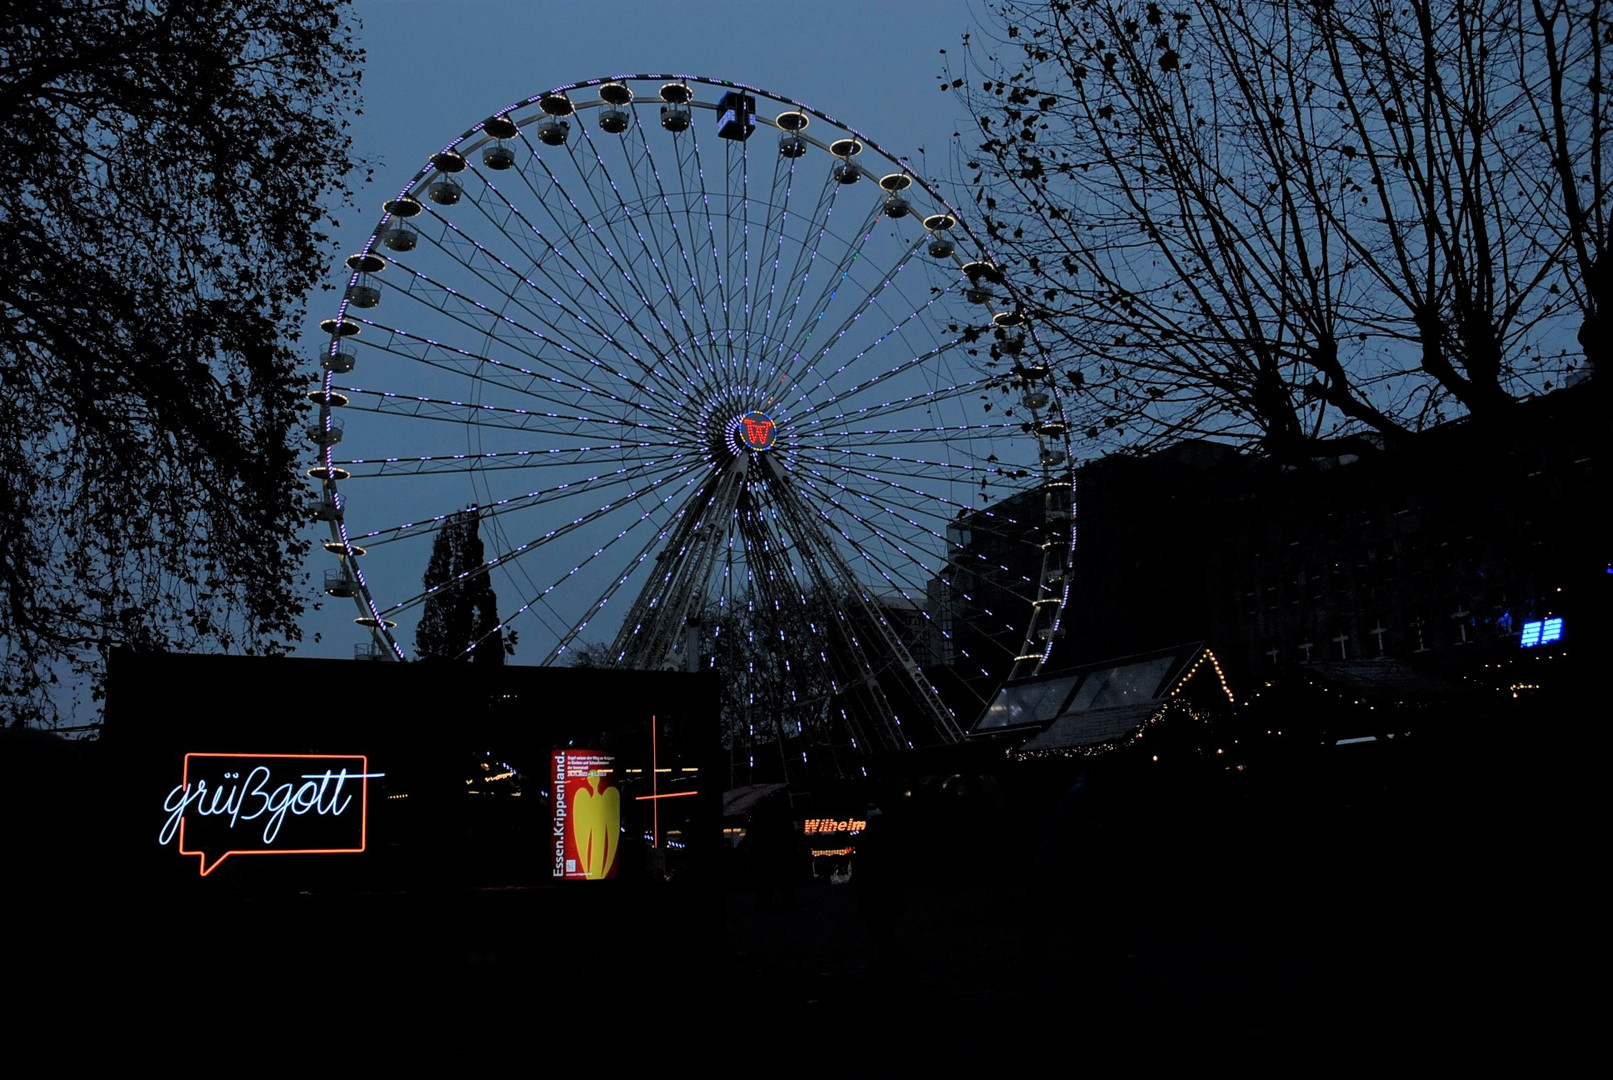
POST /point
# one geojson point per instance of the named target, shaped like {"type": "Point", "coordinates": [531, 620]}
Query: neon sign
{"type": "Point", "coordinates": [268, 804]}
{"type": "Point", "coordinates": [830, 825]}
{"type": "Point", "coordinates": [758, 430]}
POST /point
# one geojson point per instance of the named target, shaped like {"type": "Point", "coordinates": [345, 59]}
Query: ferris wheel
{"type": "Point", "coordinates": [718, 381]}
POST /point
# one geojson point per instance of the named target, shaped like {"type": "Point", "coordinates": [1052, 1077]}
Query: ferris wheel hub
{"type": "Point", "coordinates": [755, 430]}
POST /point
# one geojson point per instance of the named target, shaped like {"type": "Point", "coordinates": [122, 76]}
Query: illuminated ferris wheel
{"type": "Point", "coordinates": [720, 382]}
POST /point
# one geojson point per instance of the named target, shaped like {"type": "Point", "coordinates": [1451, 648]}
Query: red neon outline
{"type": "Point", "coordinates": [655, 761]}
{"type": "Point", "coordinates": [363, 815]}
{"type": "Point", "coordinates": [668, 795]}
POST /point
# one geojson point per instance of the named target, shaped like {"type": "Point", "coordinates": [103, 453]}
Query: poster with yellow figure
{"type": "Point", "coordinates": [587, 815]}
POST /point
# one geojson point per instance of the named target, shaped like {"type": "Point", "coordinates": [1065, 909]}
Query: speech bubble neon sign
{"type": "Point", "coordinates": [268, 804]}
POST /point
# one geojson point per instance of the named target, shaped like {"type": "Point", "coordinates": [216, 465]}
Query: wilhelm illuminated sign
{"type": "Point", "coordinates": [267, 804]}
{"type": "Point", "coordinates": [830, 825]}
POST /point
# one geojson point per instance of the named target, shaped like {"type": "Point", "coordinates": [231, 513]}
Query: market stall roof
{"type": "Point", "coordinates": [1094, 727]}
{"type": "Point", "coordinates": [1383, 681]}
{"type": "Point", "coordinates": [1095, 704]}
{"type": "Point", "coordinates": [742, 800]}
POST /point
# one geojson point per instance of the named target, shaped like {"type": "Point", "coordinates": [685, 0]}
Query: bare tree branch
{"type": "Point", "coordinates": [1288, 225]}
{"type": "Point", "coordinates": [171, 168]}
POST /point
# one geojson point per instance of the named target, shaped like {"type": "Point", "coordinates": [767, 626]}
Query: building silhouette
{"type": "Point", "coordinates": [1451, 552]}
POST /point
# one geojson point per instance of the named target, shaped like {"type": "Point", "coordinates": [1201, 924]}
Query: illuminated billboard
{"type": "Point", "coordinates": [587, 815]}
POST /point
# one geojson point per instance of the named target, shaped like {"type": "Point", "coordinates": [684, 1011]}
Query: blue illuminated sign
{"type": "Point", "coordinates": [1541, 632]}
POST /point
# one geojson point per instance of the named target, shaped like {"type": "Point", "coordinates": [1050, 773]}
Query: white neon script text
{"type": "Point", "coordinates": [320, 793]}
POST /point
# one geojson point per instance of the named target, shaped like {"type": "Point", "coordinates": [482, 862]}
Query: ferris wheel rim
{"type": "Point", "coordinates": [796, 120]}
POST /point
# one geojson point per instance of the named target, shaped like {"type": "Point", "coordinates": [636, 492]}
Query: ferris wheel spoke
{"type": "Point", "coordinates": [567, 459]}
{"type": "Point", "coordinates": [683, 238]}
{"type": "Point", "coordinates": [870, 299]}
{"type": "Point", "coordinates": [911, 467]}
{"type": "Point", "coordinates": [825, 557]}
{"type": "Point", "coordinates": [909, 513]}
{"type": "Point", "coordinates": [770, 247]}
{"type": "Point", "coordinates": [787, 566]}
{"type": "Point", "coordinates": [735, 255]}
{"type": "Point", "coordinates": [560, 532]}
{"type": "Point", "coordinates": [547, 498]}
{"type": "Point", "coordinates": [671, 249]}
{"type": "Point", "coordinates": [485, 374]}
{"type": "Point", "coordinates": [431, 410]}
{"type": "Point", "coordinates": [609, 262]}
{"type": "Point", "coordinates": [573, 296]}
{"type": "Point", "coordinates": [815, 531]}
{"type": "Point", "coordinates": [573, 292]}
{"type": "Point", "coordinates": [709, 284]}
{"type": "Point", "coordinates": [754, 221]}
{"type": "Point", "coordinates": [955, 397]}
{"type": "Point", "coordinates": [773, 336]}
{"type": "Point", "coordinates": [937, 511]}
{"type": "Point", "coordinates": [862, 399]}
{"type": "Point", "coordinates": [443, 302]}
{"type": "Point", "coordinates": [591, 272]}
{"type": "Point", "coordinates": [785, 329]}
{"type": "Point", "coordinates": [932, 382]}
{"type": "Point", "coordinates": [828, 271]}
{"type": "Point", "coordinates": [362, 399]}
{"type": "Point", "coordinates": [998, 636]}
{"type": "Point", "coordinates": [961, 483]}
{"type": "Point", "coordinates": [850, 441]}
{"type": "Point", "coordinates": [492, 272]}
{"type": "Point", "coordinates": [834, 399]}
{"type": "Point", "coordinates": [574, 631]}
{"type": "Point", "coordinates": [655, 256]}
{"type": "Point", "coordinates": [778, 632]}
{"type": "Point", "coordinates": [575, 235]}
{"type": "Point", "coordinates": [877, 551]}
{"type": "Point", "coordinates": [870, 540]}
{"type": "Point", "coordinates": [667, 583]}
{"type": "Point", "coordinates": [686, 566]}
{"type": "Point", "coordinates": [718, 202]}
{"type": "Point", "coordinates": [566, 355]}
{"type": "Point", "coordinates": [814, 631]}
{"type": "Point", "coordinates": [891, 559]}
{"type": "Point", "coordinates": [834, 278]}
